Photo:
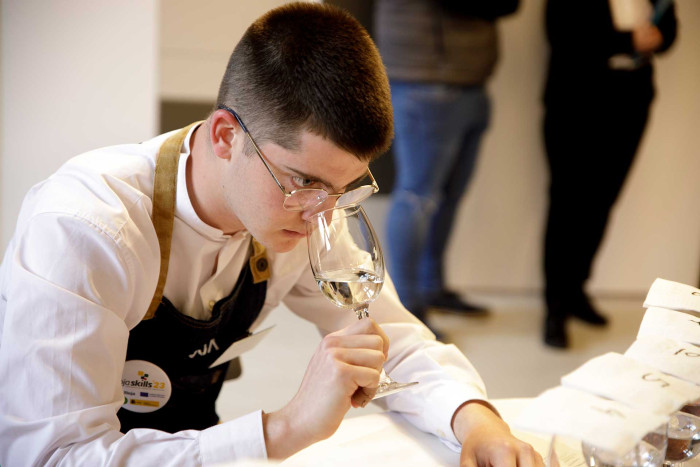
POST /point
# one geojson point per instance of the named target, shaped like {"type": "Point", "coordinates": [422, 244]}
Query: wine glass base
{"type": "Point", "coordinates": [391, 387]}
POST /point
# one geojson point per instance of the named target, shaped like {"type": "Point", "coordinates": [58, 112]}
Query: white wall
{"type": "Point", "coordinates": [196, 44]}
{"type": "Point", "coordinates": [75, 75]}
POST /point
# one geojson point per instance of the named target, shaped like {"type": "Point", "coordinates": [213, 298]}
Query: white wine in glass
{"type": "Point", "coordinates": [347, 262]}
{"type": "Point", "coordinates": [349, 288]}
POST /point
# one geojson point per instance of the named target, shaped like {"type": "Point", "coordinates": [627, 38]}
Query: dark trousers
{"type": "Point", "coordinates": [590, 145]}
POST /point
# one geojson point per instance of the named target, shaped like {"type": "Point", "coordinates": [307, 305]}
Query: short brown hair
{"type": "Point", "coordinates": [310, 66]}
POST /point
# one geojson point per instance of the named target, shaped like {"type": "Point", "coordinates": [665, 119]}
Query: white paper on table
{"type": "Point", "coordinates": [676, 325]}
{"type": "Point", "coordinates": [604, 423]}
{"type": "Point", "coordinates": [632, 383]}
{"type": "Point", "coordinates": [673, 295]}
{"type": "Point", "coordinates": [679, 359]}
{"type": "Point", "coordinates": [241, 346]}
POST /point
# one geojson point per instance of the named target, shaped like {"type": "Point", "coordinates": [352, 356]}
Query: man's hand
{"type": "Point", "coordinates": [487, 440]}
{"type": "Point", "coordinates": [646, 38]}
{"type": "Point", "coordinates": [343, 372]}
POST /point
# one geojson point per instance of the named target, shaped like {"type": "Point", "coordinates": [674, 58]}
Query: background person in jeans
{"type": "Point", "coordinates": [438, 55]}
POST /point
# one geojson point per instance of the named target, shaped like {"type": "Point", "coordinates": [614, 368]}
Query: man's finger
{"type": "Point", "coordinates": [467, 462]}
{"type": "Point", "coordinates": [362, 396]}
{"type": "Point", "coordinates": [529, 458]}
{"type": "Point", "coordinates": [360, 357]}
{"type": "Point", "coordinates": [365, 326]}
{"type": "Point", "coordinates": [355, 341]}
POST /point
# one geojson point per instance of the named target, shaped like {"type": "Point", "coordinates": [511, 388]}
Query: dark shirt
{"type": "Point", "coordinates": [582, 39]}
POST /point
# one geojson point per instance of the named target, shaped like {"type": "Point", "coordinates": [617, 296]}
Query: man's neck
{"type": "Point", "coordinates": [202, 182]}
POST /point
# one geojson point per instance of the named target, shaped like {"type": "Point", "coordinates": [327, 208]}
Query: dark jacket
{"type": "Point", "coordinates": [582, 39]}
{"type": "Point", "coordinates": [446, 41]}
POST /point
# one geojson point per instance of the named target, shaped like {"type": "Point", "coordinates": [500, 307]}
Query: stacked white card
{"type": "Point", "coordinates": [613, 400]}
{"type": "Point", "coordinates": [601, 422]}
{"type": "Point", "coordinates": [675, 325]}
{"type": "Point", "coordinates": [633, 383]}
{"type": "Point", "coordinates": [672, 295]}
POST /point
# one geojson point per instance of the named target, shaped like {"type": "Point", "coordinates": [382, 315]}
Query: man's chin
{"type": "Point", "coordinates": [283, 245]}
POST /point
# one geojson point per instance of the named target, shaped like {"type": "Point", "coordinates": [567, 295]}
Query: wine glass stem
{"type": "Point", "coordinates": [362, 312]}
{"type": "Point", "coordinates": [387, 385]}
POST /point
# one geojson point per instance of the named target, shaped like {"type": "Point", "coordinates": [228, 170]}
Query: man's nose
{"type": "Point", "coordinates": [329, 203]}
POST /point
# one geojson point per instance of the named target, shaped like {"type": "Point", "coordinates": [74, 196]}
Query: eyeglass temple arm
{"type": "Point", "coordinates": [255, 146]}
{"type": "Point", "coordinates": [267, 166]}
{"type": "Point", "coordinates": [374, 182]}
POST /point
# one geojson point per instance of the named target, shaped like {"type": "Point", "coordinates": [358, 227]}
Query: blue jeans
{"type": "Point", "coordinates": [438, 129]}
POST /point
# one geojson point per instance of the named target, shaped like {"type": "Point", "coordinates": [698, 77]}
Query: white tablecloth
{"type": "Point", "coordinates": [379, 439]}
{"type": "Point", "coordinates": [387, 440]}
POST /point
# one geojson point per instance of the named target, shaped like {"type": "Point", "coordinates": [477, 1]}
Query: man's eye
{"type": "Point", "coordinates": [302, 182]}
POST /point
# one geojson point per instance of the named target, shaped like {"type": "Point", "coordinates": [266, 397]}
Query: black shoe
{"type": "Point", "coordinates": [555, 333]}
{"type": "Point", "coordinates": [446, 300]}
{"type": "Point", "coordinates": [582, 309]}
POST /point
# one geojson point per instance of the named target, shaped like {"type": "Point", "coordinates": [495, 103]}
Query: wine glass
{"type": "Point", "coordinates": [683, 439]}
{"type": "Point", "coordinates": [649, 452]}
{"type": "Point", "coordinates": [347, 262]}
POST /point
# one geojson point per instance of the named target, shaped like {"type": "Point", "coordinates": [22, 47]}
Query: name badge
{"type": "Point", "coordinates": [146, 386]}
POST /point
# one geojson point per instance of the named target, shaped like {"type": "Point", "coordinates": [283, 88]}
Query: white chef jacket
{"type": "Point", "coordinates": [80, 272]}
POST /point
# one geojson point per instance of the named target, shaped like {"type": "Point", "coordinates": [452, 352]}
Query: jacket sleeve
{"type": "Point", "coordinates": [666, 22]}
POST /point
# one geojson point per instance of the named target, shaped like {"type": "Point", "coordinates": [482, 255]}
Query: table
{"type": "Point", "coordinates": [387, 439]}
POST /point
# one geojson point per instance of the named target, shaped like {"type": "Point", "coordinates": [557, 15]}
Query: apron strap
{"type": "Point", "coordinates": [163, 215]}
{"type": "Point", "coordinates": [164, 192]}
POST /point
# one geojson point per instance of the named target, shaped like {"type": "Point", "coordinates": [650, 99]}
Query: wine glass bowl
{"type": "Point", "coordinates": [346, 257]}
{"type": "Point", "coordinates": [348, 265]}
{"type": "Point", "coordinates": [351, 289]}
{"type": "Point", "coordinates": [649, 452]}
{"type": "Point", "coordinates": [683, 439]}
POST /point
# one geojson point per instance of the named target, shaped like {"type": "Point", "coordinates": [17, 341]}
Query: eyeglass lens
{"type": "Point", "coordinates": [303, 199]}
{"type": "Point", "coordinates": [355, 196]}
{"type": "Point", "coordinates": [300, 200]}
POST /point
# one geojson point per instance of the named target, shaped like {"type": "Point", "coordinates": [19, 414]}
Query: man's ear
{"type": "Point", "coordinates": [224, 130]}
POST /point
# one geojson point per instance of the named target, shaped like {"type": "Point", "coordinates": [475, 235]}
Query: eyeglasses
{"type": "Point", "coordinates": [308, 198]}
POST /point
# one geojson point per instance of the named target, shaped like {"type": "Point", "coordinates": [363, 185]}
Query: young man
{"type": "Point", "coordinates": [438, 77]}
{"type": "Point", "coordinates": [96, 368]}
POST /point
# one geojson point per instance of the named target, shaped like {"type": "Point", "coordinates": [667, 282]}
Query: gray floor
{"type": "Point", "coordinates": [505, 347]}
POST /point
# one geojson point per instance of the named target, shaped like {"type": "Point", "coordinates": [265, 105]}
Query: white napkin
{"type": "Point", "coordinates": [676, 358]}
{"type": "Point", "coordinates": [607, 424]}
{"type": "Point", "coordinates": [673, 295]}
{"type": "Point", "coordinates": [632, 383]}
{"type": "Point", "coordinates": [241, 346]}
{"type": "Point", "coordinates": [676, 325]}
